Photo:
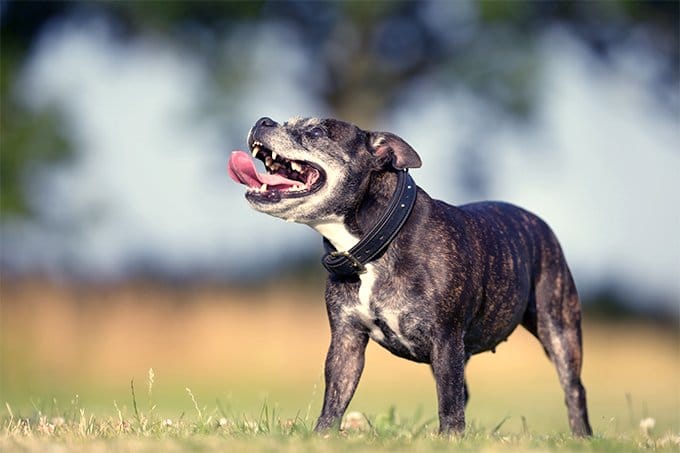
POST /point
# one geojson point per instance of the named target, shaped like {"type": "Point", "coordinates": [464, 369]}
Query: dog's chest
{"type": "Point", "coordinates": [384, 322]}
{"type": "Point", "coordinates": [386, 318]}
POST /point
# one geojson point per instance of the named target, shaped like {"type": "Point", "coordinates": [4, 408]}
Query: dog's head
{"type": "Point", "coordinates": [315, 168]}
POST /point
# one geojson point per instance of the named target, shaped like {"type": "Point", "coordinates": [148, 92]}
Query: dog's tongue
{"type": "Point", "coordinates": [242, 170]}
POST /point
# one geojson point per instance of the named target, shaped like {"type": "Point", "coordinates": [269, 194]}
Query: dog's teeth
{"type": "Point", "coordinates": [268, 161]}
{"type": "Point", "coordinates": [274, 155]}
{"type": "Point", "coordinates": [256, 149]}
{"type": "Point", "coordinates": [263, 188]}
{"type": "Point", "coordinates": [295, 166]}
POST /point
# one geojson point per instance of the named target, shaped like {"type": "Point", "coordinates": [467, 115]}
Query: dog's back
{"type": "Point", "coordinates": [507, 252]}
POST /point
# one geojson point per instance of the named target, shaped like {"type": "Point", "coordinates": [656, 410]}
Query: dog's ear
{"type": "Point", "coordinates": [389, 147]}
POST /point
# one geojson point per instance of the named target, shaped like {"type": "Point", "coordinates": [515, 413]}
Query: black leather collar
{"type": "Point", "coordinates": [351, 262]}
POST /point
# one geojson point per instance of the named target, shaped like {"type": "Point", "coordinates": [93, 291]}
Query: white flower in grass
{"type": "Point", "coordinates": [647, 424]}
{"type": "Point", "coordinates": [222, 422]}
{"type": "Point", "coordinates": [251, 426]}
{"type": "Point", "coordinates": [58, 421]}
{"type": "Point", "coordinates": [44, 427]}
{"type": "Point", "coordinates": [167, 422]}
{"type": "Point", "coordinates": [355, 420]}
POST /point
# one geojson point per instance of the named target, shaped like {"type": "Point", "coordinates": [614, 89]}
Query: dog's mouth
{"type": "Point", "coordinates": [284, 178]}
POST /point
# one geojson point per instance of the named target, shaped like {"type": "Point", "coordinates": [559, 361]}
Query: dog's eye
{"type": "Point", "coordinates": [316, 132]}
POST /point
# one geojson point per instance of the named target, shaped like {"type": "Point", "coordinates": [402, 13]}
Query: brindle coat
{"type": "Point", "coordinates": [456, 281]}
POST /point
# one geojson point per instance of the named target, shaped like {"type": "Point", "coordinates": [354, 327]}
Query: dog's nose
{"type": "Point", "coordinates": [265, 122]}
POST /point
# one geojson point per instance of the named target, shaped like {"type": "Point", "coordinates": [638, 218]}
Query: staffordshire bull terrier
{"type": "Point", "coordinates": [428, 281]}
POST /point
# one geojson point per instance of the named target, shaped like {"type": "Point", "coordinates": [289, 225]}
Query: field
{"type": "Point", "coordinates": [145, 367]}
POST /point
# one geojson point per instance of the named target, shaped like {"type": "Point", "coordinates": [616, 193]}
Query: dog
{"type": "Point", "coordinates": [441, 284]}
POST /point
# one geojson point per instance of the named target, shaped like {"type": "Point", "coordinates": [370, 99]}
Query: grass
{"type": "Point", "coordinates": [240, 370]}
{"type": "Point", "coordinates": [76, 429]}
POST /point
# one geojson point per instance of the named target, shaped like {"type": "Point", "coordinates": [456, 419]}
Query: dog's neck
{"type": "Point", "coordinates": [345, 232]}
{"type": "Point", "coordinates": [373, 204]}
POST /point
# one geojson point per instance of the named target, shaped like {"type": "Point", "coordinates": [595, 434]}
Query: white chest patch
{"type": "Point", "coordinates": [363, 309]}
{"type": "Point", "coordinates": [367, 315]}
{"type": "Point", "coordinates": [335, 231]}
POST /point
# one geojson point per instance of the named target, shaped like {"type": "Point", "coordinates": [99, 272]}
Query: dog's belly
{"type": "Point", "coordinates": [493, 327]}
{"type": "Point", "coordinates": [500, 312]}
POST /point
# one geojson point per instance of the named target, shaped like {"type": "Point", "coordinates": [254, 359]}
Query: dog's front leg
{"type": "Point", "coordinates": [344, 364]}
{"type": "Point", "coordinates": [448, 367]}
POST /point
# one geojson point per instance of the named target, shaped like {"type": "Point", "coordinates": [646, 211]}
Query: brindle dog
{"type": "Point", "coordinates": [455, 281]}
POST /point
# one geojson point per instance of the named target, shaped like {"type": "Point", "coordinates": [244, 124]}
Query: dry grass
{"type": "Point", "coordinates": [245, 347]}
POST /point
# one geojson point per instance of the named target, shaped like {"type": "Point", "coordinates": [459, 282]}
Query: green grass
{"type": "Point", "coordinates": [136, 428]}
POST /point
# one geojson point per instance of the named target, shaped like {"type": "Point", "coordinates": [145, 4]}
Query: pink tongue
{"type": "Point", "coordinates": [242, 170]}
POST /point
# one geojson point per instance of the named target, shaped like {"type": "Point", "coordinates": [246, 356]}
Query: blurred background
{"type": "Point", "coordinates": [125, 246]}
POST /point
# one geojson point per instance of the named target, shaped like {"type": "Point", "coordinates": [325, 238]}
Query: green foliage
{"type": "Point", "coordinates": [495, 11]}
{"type": "Point", "coordinates": [170, 17]}
{"type": "Point", "coordinates": [27, 139]}
{"type": "Point", "coordinates": [495, 58]}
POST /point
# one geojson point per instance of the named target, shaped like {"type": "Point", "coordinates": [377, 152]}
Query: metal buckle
{"type": "Point", "coordinates": [356, 264]}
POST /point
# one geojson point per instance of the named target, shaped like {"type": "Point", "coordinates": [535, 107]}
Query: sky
{"type": "Point", "coordinates": [600, 163]}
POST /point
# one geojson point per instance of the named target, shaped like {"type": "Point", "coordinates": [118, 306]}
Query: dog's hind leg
{"type": "Point", "coordinates": [554, 317]}
{"type": "Point", "coordinates": [466, 392]}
